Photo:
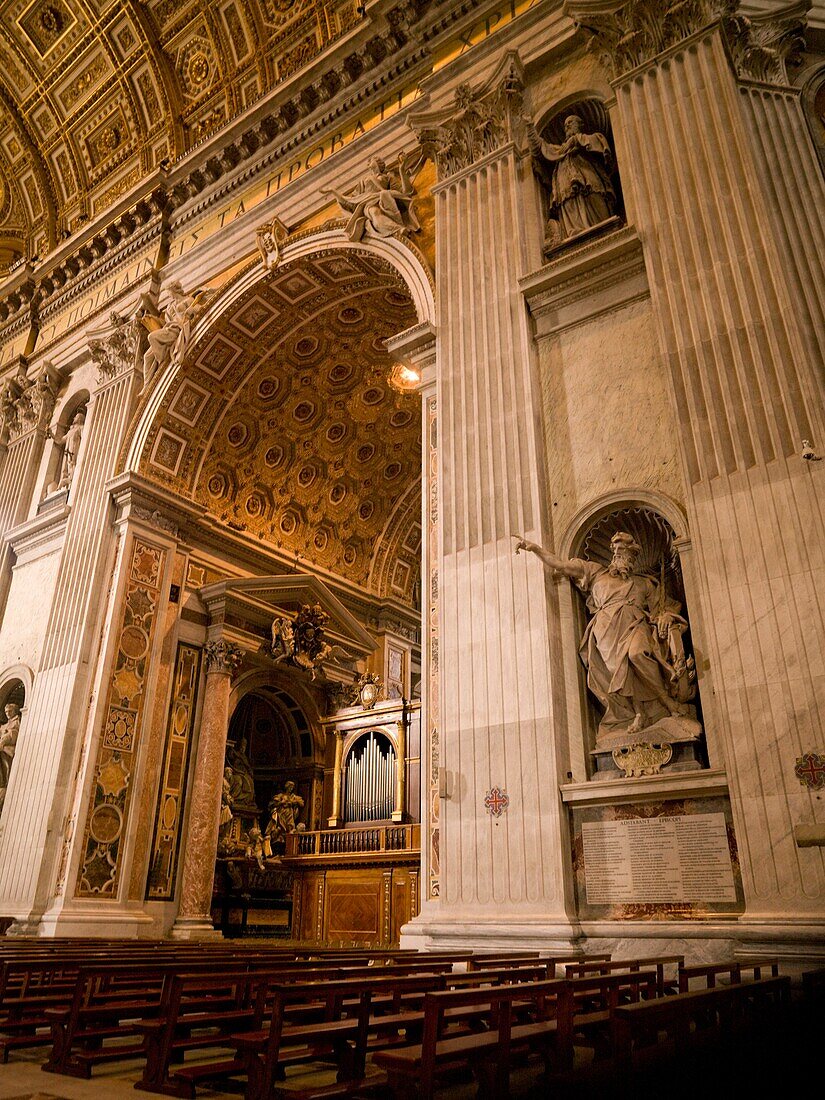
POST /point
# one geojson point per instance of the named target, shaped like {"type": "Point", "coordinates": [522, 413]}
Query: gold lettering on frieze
{"type": "Point", "coordinates": [270, 185]}
{"type": "Point", "coordinates": [82, 310]}
{"type": "Point", "coordinates": [498, 17]}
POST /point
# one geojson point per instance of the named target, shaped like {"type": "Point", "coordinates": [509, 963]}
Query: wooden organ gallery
{"type": "Point", "coordinates": [410, 499]}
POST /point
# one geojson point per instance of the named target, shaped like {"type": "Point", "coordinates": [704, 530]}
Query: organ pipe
{"type": "Point", "coordinates": [371, 779]}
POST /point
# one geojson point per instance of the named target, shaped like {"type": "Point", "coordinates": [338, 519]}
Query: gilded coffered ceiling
{"type": "Point", "coordinates": [282, 424]}
{"type": "Point", "coordinates": [95, 94]}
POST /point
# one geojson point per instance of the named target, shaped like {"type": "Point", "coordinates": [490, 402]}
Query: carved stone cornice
{"type": "Point", "coordinates": [480, 121]}
{"type": "Point", "coordinates": [222, 657]}
{"type": "Point", "coordinates": [635, 32]}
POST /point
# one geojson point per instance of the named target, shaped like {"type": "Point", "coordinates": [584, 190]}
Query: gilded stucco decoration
{"type": "Point", "coordinates": [95, 95]}
{"type": "Point", "coordinates": [282, 424]}
{"type": "Point", "coordinates": [118, 739]}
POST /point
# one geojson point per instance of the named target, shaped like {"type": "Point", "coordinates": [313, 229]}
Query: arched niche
{"type": "Point", "coordinates": [594, 116]}
{"type": "Point", "coordinates": [659, 526]}
{"type": "Point", "coordinates": [62, 436]}
{"type": "Point", "coordinates": [15, 685]}
{"type": "Point", "coordinates": [813, 107]}
{"type": "Point", "coordinates": [275, 725]}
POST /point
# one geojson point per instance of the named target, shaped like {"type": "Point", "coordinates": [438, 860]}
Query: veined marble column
{"type": "Point", "coordinates": [721, 180]}
{"type": "Point", "coordinates": [494, 624]}
{"type": "Point", "coordinates": [194, 919]}
{"type": "Point", "coordinates": [35, 817]}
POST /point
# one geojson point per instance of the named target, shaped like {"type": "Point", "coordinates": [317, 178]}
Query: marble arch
{"type": "Point", "coordinates": [280, 422]}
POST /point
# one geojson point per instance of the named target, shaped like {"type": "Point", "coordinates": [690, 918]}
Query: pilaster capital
{"type": "Point", "coordinates": [481, 120]}
{"type": "Point", "coordinates": [116, 349]}
{"type": "Point", "coordinates": [222, 656]}
{"type": "Point", "coordinates": [761, 47]}
{"type": "Point", "coordinates": [630, 33]}
{"type": "Point", "coordinates": [26, 404]}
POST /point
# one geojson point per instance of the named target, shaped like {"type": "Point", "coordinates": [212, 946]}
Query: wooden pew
{"type": "Point", "coordinates": [672, 1025]}
{"type": "Point", "coordinates": [732, 971]}
{"type": "Point", "coordinates": [582, 969]}
{"type": "Point", "coordinates": [413, 1070]}
{"type": "Point", "coordinates": [482, 962]}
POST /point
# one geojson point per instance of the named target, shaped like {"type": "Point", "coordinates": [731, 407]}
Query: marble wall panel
{"type": "Point", "coordinates": [607, 414]}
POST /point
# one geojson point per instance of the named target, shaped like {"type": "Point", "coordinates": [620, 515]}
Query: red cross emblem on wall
{"type": "Point", "coordinates": [496, 801]}
{"type": "Point", "coordinates": [810, 770]}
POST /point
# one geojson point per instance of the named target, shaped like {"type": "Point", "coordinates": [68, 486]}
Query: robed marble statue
{"type": "Point", "coordinates": [632, 645]}
{"type": "Point", "coordinates": [581, 191]}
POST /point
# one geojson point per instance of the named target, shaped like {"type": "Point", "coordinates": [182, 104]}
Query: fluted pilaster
{"type": "Point", "coordinates": [42, 788]}
{"type": "Point", "coordinates": [496, 714]}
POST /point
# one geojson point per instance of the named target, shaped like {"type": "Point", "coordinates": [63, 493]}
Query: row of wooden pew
{"type": "Point", "coordinates": [193, 1014]}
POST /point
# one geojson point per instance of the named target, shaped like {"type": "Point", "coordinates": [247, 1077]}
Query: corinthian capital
{"type": "Point", "coordinates": [481, 120]}
{"type": "Point", "coordinates": [630, 33]}
{"type": "Point", "coordinates": [762, 47]}
{"type": "Point", "coordinates": [116, 349]}
{"type": "Point", "coordinates": [222, 656]}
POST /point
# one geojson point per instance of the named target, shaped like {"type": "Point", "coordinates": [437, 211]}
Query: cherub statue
{"type": "Point", "coordinates": [283, 639]}
{"type": "Point", "coordinates": [255, 846]}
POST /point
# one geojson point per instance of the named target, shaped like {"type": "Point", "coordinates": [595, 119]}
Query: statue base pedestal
{"type": "Point", "coordinates": [685, 758]}
{"type": "Point", "coordinates": [673, 745]}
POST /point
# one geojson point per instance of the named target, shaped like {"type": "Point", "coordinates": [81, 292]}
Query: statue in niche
{"type": "Point", "coordinates": [284, 808]}
{"type": "Point", "coordinates": [581, 191]}
{"type": "Point", "coordinates": [9, 731]}
{"type": "Point", "coordinates": [168, 332]}
{"type": "Point", "coordinates": [632, 647]}
{"type": "Point", "coordinates": [69, 440]}
{"type": "Point", "coordinates": [242, 782]}
{"type": "Point", "coordinates": [381, 204]}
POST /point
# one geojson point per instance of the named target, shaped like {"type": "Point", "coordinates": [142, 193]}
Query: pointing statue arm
{"type": "Point", "coordinates": [569, 568]}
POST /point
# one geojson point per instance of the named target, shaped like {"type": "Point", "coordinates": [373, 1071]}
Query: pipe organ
{"type": "Point", "coordinates": [370, 779]}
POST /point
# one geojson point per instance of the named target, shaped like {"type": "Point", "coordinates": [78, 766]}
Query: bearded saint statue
{"type": "Point", "coordinates": [632, 644]}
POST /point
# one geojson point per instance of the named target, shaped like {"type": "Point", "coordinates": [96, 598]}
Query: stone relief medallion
{"type": "Point", "coordinates": [496, 801]}
{"type": "Point", "coordinates": [810, 770]}
{"type": "Point", "coordinates": [642, 758]}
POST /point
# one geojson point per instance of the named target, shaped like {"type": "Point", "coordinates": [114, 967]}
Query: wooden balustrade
{"type": "Point", "coordinates": [356, 841]}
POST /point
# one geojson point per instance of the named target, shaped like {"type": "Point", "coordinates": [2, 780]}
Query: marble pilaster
{"type": "Point", "coordinates": [494, 622]}
{"type": "Point", "coordinates": [201, 843]}
{"type": "Point", "coordinates": [37, 822]}
{"type": "Point", "coordinates": [336, 818]}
